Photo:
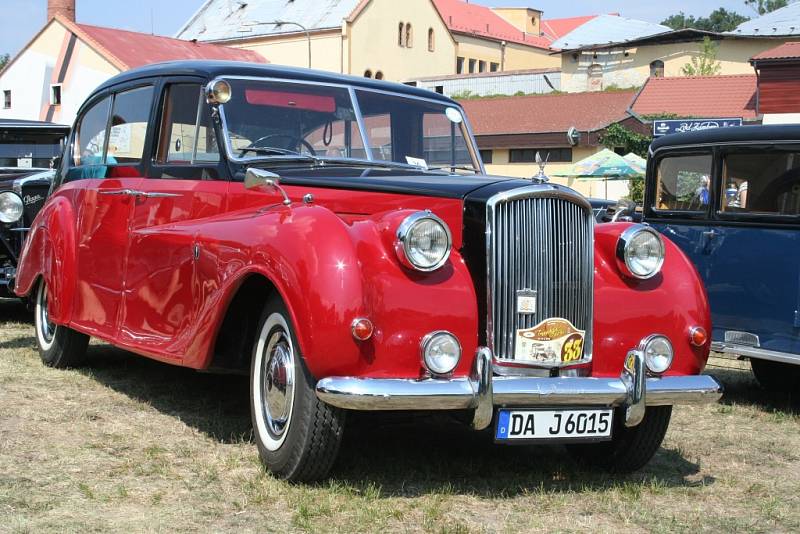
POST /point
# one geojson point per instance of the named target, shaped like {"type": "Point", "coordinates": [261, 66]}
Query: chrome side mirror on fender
{"type": "Point", "coordinates": [259, 178]}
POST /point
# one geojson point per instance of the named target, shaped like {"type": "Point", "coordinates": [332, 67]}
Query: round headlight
{"type": "Point", "coordinates": [658, 353]}
{"type": "Point", "coordinates": [640, 252]}
{"type": "Point", "coordinates": [11, 207]}
{"type": "Point", "coordinates": [423, 241]}
{"type": "Point", "coordinates": [441, 352]}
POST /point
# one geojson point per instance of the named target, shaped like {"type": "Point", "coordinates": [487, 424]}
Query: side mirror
{"type": "Point", "coordinates": [259, 178]}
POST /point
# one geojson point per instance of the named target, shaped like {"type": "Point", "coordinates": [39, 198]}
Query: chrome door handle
{"type": "Point", "coordinates": [120, 192]}
{"type": "Point", "coordinates": [137, 193]}
{"type": "Point", "coordinates": [156, 195]}
{"type": "Point", "coordinates": [711, 234]}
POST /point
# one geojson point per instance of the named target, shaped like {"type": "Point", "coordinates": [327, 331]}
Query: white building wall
{"type": "Point", "coordinates": [28, 79]}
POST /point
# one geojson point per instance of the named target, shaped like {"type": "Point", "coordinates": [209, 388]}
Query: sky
{"type": "Point", "coordinates": [23, 18]}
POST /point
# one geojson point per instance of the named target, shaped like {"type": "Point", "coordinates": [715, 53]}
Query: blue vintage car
{"type": "Point", "coordinates": [730, 198]}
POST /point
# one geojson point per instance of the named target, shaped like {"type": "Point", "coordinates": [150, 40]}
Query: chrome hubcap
{"type": "Point", "coordinates": [48, 329]}
{"type": "Point", "coordinates": [278, 382]}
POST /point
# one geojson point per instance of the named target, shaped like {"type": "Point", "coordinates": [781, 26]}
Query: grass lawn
{"type": "Point", "coordinates": [127, 444]}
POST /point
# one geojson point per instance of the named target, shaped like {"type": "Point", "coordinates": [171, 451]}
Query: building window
{"type": "Point", "coordinates": [431, 40]}
{"type": "Point", "coordinates": [400, 34]}
{"type": "Point", "coordinates": [460, 65]}
{"type": "Point", "coordinates": [472, 64]}
{"type": "Point", "coordinates": [594, 81]}
{"type": "Point", "coordinates": [494, 67]}
{"type": "Point", "coordinates": [439, 89]}
{"type": "Point", "coordinates": [481, 66]}
{"type": "Point", "coordinates": [6, 99]}
{"type": "Point", "coordinates": [55, 94]}
{"type": "Point", "coordinates": [486, 156]}
{"type": "Point", "coordinates": [409, 36]}
{"type": "Point", "coordinates": [367, 73]}
{"type": "Point", "coordinates": [379, 75]}
{"type": "Point", "coordinates": [528, 155]}
{"type": "Point", "coordinates": [657, 69]}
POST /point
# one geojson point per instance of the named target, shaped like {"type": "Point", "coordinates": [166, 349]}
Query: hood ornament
{"type": "Point", "coordinates": [541, 177]}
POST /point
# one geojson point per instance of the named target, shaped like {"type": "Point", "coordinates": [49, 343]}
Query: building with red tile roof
{"type": "Point", "coordinates": [510, 130]}
{"type": "Point", "coordinates": [699, 96]}
{"type": "Point", "coordinates": [790, 50]}
{"type": "Point", "coordinates": [54, 73]}
{"type": "Point", "coordinates": [778, 71]}
{"type": "Point", "coordinates": [477, 20]}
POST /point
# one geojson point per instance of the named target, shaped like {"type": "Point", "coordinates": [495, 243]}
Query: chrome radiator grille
{"type": "Point", "coordinates": [542, 241]}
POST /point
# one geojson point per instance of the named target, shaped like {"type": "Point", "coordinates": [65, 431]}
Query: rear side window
{"type": "Point", "coordinates": [90, 137]}
{"type": "Point", "coordinates": [761, 183]}
{"type": "Point", "coordinates": [683, 183]}
{"type": "Point", "coordinates": [187, 136]}
{"type": "Point", "coordinates": [129, 120]}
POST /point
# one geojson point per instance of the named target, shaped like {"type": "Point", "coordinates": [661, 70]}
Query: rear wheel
{"type": "Point", "coordinates": [776, 376]}
{"type": "Point", "coordinates": [297, 435]}
{"type": "Point", "coordinates": [630, 448]}
{"type": "Point", "coordinates": [59, 346]}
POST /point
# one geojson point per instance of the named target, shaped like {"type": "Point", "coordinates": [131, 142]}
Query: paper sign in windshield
{"type": "Point", "coordinates": [552, 341]}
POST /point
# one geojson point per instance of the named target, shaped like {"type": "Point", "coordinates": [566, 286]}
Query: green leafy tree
{"type": "Point", "coordinates": [4, 59]}
{"type": "Point", "coordinates": [705, 63]}
{"type": "Point", "coordinates": [720, 20]}
{"type": "Point", "coordinates": [762, 7]}
{"type": "Point", "coordinates": [618, 136]}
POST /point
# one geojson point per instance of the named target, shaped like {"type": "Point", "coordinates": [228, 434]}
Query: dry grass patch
{"type": "Point", "coordinates": [127, 444]}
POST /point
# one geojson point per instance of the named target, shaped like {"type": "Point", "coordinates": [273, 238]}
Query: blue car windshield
{"type": "Point", "coordinates": [273, 119]}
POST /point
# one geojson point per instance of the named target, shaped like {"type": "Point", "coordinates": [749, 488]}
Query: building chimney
{"type": "Point", "coordinates": [65, 8]}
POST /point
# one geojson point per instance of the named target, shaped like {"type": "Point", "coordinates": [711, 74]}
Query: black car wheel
{"type": "Point", "coordinates": [630, 448]}
{"type": "Point", "coordinates": [59, 346]}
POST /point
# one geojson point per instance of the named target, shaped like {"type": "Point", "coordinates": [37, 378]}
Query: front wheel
{"type": "Point", "coordinates": [59, 346]}
{"type": "Point", "coordinates": [297, 435]}
{"type": "Point", "coordinates": [630, 448]}
{"type": "Point", "coordinates": [776, 376]}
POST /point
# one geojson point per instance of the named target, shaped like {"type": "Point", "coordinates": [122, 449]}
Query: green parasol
{"type": "Point", "coordinates": [605, 165]}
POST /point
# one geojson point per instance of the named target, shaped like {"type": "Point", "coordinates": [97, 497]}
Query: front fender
{"type": "Point", "coordinates": [628, 310]}
{"type": "Point", "coordinates": [49, 253]}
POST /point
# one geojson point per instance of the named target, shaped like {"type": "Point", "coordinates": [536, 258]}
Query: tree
{"type": "Point", "coordinates": [4, 59]}
{"type": "Point", "coordinates": [720, 20]}
{"type": "Point", "coordinates": [762, 7]}
{"type": "Point", "coordinates": [704, 64]}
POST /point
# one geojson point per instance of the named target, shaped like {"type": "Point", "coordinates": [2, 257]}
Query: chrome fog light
{"type": "Point", "coordinates": [441, 352]}
{"type": "Point", "coordinates": [11, 207]}
{"type": "Point", "coordinates": [658, 353]}
{"type": "Point", "coordinates": [640, 252]}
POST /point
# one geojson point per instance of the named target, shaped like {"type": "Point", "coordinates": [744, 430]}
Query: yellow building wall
{"type": "Point", "coordinates": [524, 57]}
{"type": "Point", "coordinates": [500, 166]}
{"type": "Point", "coordinates": [292, 50]}
{"type": "Point", "coordinates": [526, 19]}
{"type": "Point", "coordinates": [516, 56]}
{"type": "Point", "coordinates": [373, 41]}
{"type": "Point", "coordinates": [633, 69]}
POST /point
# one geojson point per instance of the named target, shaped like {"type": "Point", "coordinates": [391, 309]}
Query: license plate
{"type": "Point", "coordinates": [563, 425]}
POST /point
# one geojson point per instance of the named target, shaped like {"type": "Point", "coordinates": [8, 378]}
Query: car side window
{"type": "Point", "coordinates": [90, 136]}
{"type": "Point", "coordinates": [761, 183]}
{"type": "Point", "coordinates": [683, 183]}
{"type": "Point", "coordinates": [129, 124]}
{"type": "Point", "coordinates": [187, 136]}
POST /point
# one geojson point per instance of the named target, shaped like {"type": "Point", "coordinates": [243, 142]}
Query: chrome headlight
{"type": "Point", "coordinates": [640, 252]}
{"type": "Point", "coordinates": [11, 207]}
{"type": "Point", "coordinates": [658, 353]}
{"type": "Point", "coordinates": [423, 242]}
{"type": "Point", "coordinates": [441, 352]}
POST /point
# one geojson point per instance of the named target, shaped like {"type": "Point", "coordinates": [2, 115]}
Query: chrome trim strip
{"type": "Point", "coordinates": [537, 191]}
{"type": "Point", "coordinates": [397, 394]}
{"type": "Point", "coordinates": [746, 351]}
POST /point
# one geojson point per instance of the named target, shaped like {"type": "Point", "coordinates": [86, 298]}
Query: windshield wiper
{"type": "Point", "coordinates": [271, 150]}
{"type": "Point", "coordinates": [455, 168]}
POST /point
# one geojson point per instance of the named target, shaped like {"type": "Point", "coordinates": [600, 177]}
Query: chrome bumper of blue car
{"type": "Point", "coordinates": [483, 391]}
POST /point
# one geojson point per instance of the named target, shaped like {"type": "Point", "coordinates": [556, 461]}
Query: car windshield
{"type": "Point", "coordinates": [283, 120]}
{"type": "Point", "coordinates": [28, 150]}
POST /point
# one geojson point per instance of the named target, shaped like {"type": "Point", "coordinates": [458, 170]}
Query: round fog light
{"type": "Point", "coordinates": [658, 353]}
{"type": "Point", "coordinates": [441, 352]}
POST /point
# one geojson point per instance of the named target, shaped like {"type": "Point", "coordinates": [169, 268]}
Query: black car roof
{"type": "Point", "coordinates": [739, 134]}
{"type": "Point", "coordinates": [212, 69]}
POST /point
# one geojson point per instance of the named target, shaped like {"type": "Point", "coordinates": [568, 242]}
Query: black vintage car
{"type": "Point", "coordinates": [27, 149]}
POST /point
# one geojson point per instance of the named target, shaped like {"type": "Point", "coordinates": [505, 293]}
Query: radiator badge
{"type": "Point", "coordinates": [553, 341]}
{"type": "Point", "coordinates": [526, 301]}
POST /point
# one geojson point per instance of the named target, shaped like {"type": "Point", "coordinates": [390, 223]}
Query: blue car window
{"type": "Point", "coordinates": [683, 183]}
{"type": "Point", "coordinates": [761, 183]}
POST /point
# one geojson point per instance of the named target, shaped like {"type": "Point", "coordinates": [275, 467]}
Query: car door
{"type": "Point", "coordinates": [186, 182]}
{"type": "Point", "coordinates": [679, 201]}
{"type": "Point", "coordinates": [753, 249]}
{"type": "Point", "coordinates": [106, 168]}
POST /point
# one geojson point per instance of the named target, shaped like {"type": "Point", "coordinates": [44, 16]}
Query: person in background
{"type": "Point", "coordinates": [702, 193]}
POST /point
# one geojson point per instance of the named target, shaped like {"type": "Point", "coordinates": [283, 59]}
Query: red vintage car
{"type": "Point", "coordinates": [337, 239]}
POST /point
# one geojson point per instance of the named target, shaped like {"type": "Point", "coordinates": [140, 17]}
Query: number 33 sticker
{"type": "Point", "coordinates": [572, 350]}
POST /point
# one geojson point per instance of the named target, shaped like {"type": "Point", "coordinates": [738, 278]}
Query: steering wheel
{"type": "Point", "coordinates": [296, 142]}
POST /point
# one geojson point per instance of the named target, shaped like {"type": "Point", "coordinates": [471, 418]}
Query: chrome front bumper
{"type": "Point", "coordinates": [483, 392]}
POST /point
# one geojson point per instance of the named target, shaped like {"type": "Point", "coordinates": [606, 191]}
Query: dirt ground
{"type": "Point", "coordinates": [127, 444]}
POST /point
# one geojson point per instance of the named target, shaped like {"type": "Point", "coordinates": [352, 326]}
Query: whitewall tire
{"type": "Point", "coordinates": [59, 346]}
